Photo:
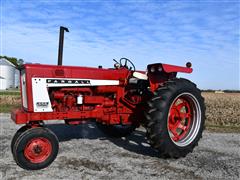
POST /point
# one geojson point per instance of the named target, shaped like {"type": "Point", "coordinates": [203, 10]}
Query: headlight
{"type": "Point", "coordinates": [159, 69]}
{"type": "Point", "coordinates": [152, 69]}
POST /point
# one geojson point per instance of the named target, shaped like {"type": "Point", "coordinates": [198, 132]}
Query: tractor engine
{"type": "Point", "coordinates": [107, 100]}
{"type": "Point", "coordinates": [80, 99]}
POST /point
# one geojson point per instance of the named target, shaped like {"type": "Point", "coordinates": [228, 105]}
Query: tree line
{"type": "Point", "coordinates": [17, 62]}
{"type": "Point", "coordinates": [226, 91]}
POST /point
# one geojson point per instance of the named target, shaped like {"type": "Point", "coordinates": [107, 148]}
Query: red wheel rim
{"type": "Point", "coordinates": [38, 150]}
{"type": "Point", "coordinates": [180, 119]}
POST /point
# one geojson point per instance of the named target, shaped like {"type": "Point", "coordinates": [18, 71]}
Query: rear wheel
{"type": "Point", "coordinates": [36, 148]}
{"type": "Point", "coordinates": [117, 130]}
{"type": "Point", "coordinates": [175, 118]}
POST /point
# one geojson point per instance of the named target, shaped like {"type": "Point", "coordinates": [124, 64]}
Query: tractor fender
{"type": "Point", "coordinates": [159, 73]}
{"type": "Point", "coordinates": [172, 68]}
{"type": "Point", "coordinates": [167, 68]}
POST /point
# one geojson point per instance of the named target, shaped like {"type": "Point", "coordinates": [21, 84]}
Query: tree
{"type": "Point", "coordinates": [13, 60]}
{"type": "Point", "coordinates": [20, 62]}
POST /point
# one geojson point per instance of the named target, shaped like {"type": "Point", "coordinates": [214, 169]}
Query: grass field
{"type": "Point", "coordinates": [9, 93]}
{"type": "Point", "coordinates": [222, 110]}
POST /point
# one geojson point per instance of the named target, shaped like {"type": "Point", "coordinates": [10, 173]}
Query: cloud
{"type": "Point", "coordinates": [207, 33]}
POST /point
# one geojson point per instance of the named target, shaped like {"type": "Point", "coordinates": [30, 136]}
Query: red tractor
{"type": "Point", "coordinates": [120, 99]}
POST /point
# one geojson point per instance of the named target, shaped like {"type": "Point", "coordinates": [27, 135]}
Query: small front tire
{"type": "Point", "coordinates": [17, 134]}
{"type": "Point", "coordinates": [36, 148]}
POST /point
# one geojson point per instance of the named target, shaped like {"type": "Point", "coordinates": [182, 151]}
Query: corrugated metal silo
{"type": "Point", "coordinates": [7, 74]}
{"type": "Point", "coordinates": [17, 78]}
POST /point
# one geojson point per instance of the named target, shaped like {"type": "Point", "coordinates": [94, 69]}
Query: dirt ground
{"type": "Point", "coordinates": [86, 153]}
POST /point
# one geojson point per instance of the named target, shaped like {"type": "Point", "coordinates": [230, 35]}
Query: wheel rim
{"type": "Point", "coordinates": [38, 150]}
{"type": "Point", "coordinates": [184, 119]}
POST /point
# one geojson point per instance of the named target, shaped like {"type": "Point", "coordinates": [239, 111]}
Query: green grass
{"type": "Point", "coordinates": [7, 108]}
{"type": "Point", "coordinates": [9, 93]}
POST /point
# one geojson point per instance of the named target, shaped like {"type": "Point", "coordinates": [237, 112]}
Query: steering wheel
{"type": "Point", "coordinates": [126, 61]}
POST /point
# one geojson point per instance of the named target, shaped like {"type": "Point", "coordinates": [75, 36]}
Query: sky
{"type": "Point", "coordinates": [205, 33]}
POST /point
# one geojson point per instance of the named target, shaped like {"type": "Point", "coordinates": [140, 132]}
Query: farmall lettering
{"type": "Point", "coordinates": [120, 99]}
{"type": "Point", "coordinates": [65, 81]}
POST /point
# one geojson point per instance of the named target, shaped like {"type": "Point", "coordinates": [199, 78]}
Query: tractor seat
{"type": "Point", "coordinates": [139, 75]}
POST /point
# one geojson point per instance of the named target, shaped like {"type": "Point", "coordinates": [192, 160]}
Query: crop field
{"type": "Point", "coordinates": [222, 110]}
{"type": "Point", "coordinates": [9, 100]}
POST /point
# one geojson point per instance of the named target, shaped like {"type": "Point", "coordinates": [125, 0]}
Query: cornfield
{"type": "Point", "coordinates": [11, 100]}
{"type": "Point", "coordinates": [222, 109]}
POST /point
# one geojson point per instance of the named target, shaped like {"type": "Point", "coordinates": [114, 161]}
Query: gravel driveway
{"type": "Point", "coordinates": [86, 153]}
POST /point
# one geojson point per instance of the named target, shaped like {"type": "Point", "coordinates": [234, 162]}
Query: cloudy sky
{"type": "Point", "coordinates": [203, 32]}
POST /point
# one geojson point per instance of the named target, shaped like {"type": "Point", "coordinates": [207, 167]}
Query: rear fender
{"type": "Point", "coordinates": [172, 68]}
{"type": "Point", "coordinates": [159, 73]}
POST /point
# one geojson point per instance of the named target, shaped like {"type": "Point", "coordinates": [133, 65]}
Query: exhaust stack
{"type": "Point", "coordinates": [60, 47]}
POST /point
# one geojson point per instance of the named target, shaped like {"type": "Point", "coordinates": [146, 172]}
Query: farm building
{"type": "Point", "coordinates": [8, 75]}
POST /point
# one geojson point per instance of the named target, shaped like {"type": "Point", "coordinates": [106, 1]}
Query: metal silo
{"type": "Point", "coordinates": [17, 78]}
{"type": "Point", "coordinates": [7, 74]}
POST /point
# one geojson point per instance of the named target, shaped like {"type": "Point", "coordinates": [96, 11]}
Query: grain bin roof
{"type": "Point", "coordinates": [5, 62]}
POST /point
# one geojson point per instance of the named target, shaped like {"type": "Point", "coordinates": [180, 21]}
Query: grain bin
{"type": "Point", "coordinates": [7, 74]}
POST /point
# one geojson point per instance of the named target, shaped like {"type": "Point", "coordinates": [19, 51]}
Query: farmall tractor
{"type": "Point", "coordinates": [120, 99]}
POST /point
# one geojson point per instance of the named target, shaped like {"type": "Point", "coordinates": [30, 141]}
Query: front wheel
{"type": "Point", "coordinates": [17, 134]}
{"type": "Point", "coordinates": [35, 148]}
{"type": "Point", "coordinates": [175, 118]}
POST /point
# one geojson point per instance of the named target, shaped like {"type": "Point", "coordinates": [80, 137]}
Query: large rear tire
{"type": "Point", "coordinates": [175, 118]}
{"type": "Point", "coordinates": [35, 148]}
